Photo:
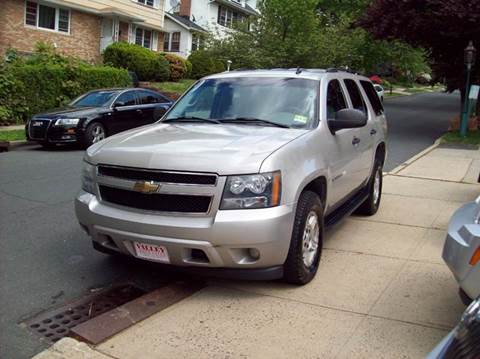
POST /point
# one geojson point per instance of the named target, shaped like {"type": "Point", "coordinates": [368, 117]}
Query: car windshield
{"type": "Point", "coordinates": [262, 101]}
{"type": "Point", "coordinates": [94, 99]}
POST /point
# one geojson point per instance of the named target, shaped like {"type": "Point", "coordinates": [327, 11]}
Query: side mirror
{"type": "Point", "coordinates": [118, 104]}
{"type": "Point", "coordinates": [347, 118]}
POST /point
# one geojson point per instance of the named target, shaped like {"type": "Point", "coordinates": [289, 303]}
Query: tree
{"type": "Point", "coordinates": [443, 27]}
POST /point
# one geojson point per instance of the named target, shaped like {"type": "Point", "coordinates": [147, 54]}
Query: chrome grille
{"type": "Point", "coordinates": [37, 129]}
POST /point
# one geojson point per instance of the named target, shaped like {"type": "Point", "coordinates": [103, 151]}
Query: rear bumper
{"type": "Point", "coordinates": [225, 238]}
{"type": "Point", "coordinates": [463, 238]}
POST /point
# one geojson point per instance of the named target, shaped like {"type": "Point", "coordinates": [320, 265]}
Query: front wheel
{"type": "Point", "coordinates": [94, 133]}
{"type": "Point", "coordinates": [306, 242]}
{"type": "Point", "coordinates": [370, 206]}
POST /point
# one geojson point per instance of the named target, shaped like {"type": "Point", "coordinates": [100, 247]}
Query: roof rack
{"type": "Point", "coordinates": [342, 69]}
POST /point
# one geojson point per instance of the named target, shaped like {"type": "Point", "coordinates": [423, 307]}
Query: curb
{"type": "Point", "coordinates": [10, 145]}
{"type": "Point", "coordinates": [414, 158]}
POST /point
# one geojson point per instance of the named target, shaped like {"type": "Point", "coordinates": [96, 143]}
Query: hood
{"type": "Point", "coordinates": [222, 149]}
{"type": "Point", "coordinates": [69, 112]}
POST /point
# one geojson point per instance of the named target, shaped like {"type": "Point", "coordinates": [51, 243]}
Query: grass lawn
{"type": "Point", "coordinates": [472, 138]}
{"type": "Point", "coordinates": [177, 87]}
{"type": "Point", "coordinates": [12, 135]}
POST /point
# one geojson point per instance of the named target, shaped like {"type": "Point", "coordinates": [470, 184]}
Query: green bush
{"type": "Point", "coordinates": [189, 69]}
{"type": "Point", "coordinates": [204, 64]}
{"type": "Point", "coordinates": [178, 67]}
{"type": "Point", "coordinates": [148, 65]}
{"type": "Point", "coordinates": [26, 89]}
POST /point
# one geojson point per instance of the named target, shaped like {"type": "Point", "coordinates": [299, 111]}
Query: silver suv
{"type": "Point", "coordinates": [242, 175]}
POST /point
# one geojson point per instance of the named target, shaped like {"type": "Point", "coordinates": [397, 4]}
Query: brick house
{"type": "Point", "coordinates": [81, 28]}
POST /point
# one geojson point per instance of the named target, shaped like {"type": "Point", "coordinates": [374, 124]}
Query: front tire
{"type": "Point", "coordinates": [306, 242]}
{"type": "Point", "coordinates": [94, 133]}
{"type": "Point", "coordinates": [370, 206]}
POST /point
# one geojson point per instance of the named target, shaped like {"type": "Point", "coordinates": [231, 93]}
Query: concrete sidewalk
{"type": "Point", "coordinates": [382, 290]}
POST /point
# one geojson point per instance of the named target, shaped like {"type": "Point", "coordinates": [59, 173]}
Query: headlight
{"type": "Point", "coordinates": [67, 122]}
{"type": "Point", "coordinates": [252, 191]}
{"type": "Point", "coordinates": [88, 174]}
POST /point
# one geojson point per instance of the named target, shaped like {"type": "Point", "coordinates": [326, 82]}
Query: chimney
{"type": "Point", "coordinates": [185, 8]}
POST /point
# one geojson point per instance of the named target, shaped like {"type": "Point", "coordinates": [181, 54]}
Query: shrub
{"type": "Point", "coordinates": [204, 64]}
{"type": "Point", "coordinates": [178, 67]}
{"type": "Point", "coordinates": [26, 89]}
{"type": "Point", "coordinates": [148, 65]}
{"type": "Point", "coordinates": [189, 69]}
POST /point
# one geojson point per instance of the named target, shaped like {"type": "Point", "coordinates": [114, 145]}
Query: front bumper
{"type": "Point", "coordinates": [463, 238]}
{"type": "Point", "coordinates": [55, 134]}
{"type": "Point", "coordinates": [225, 237]}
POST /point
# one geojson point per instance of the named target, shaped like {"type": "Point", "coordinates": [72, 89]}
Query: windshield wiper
{"type": "Point", "coordinates": [252, 120]}
{"type": "Point", "coordinates": [191, 119]}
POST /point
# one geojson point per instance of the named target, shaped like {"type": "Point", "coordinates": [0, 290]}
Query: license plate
{"type": "Point", "coordinates": [152, 252]}
{"type": "Point", "coordinates": [37, 124]}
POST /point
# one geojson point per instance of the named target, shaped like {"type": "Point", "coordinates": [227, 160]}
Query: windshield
{"type": "Point", "coordinates": [94, 99]}
{"type": "Point", "coordinates": [290, 102]}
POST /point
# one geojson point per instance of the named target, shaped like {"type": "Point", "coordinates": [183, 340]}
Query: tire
{"type": "Point", "coordinates": [370, 206]}
{"type": "Point", "coordinates": [94, 132]}
{"type": "Point", "coordinates": [300, 269]}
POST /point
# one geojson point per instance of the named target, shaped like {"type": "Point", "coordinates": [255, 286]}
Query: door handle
{"type": "Point", "coordinates": [138, 111]}
{"type": "Point", "coordinates": [355, 141]}
{"type": "Point", "coordinates": [373, 131]}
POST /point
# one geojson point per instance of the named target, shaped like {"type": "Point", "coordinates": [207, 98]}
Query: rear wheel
{"type": "Point", "coordinates": [94, 133]}
{"type": "Point", "coordinates": [307, 240]}
{"type": "Point", "coordinates": [370, 206]}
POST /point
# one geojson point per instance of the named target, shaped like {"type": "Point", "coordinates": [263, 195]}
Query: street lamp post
{"type": "Point", "coordinates": [469, 59]}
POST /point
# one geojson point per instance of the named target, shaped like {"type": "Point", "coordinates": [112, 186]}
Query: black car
{"type": "Point", "coordinates": [96, 115]}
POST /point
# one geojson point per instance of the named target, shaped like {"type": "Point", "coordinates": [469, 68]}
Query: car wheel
{"type": "Point", "coordinates": [370, 206]}
{"type": "Point", "coordinates": [94, 133]}
{"type": "Point", "coordinates": [307, 240]}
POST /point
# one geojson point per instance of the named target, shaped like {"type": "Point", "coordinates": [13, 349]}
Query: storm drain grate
{"type": "Point", "coordinates": [56, 324]}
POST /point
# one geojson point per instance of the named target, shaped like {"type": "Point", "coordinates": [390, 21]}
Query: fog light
{"type": "Point", "coordinates": [254, 253]}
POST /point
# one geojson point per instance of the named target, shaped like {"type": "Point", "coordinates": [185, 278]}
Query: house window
{"type": "Point", "coordinates": [172, 42]}
{"type": "Point", "coordinates": [143, 37]}
{"type": "Point", "coordinates": [196, 44]}
{"type": "Point", "coordinates": [146, 2]}
{"type": "Point", "coordinates": [175, 43]}
{"type": "Point", "coordinates": [47, 17]}
{"type": "Point", "coordinates": [228, 17]}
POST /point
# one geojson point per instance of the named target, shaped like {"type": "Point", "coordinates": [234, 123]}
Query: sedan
{"type": "Point", "coordinates": [97, 114]}
{"type": "Point", "coordinates": [461, 250]}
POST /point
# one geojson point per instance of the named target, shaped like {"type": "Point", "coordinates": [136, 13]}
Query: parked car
{"type": "Point", "coordinates": [380, 91]}
{"type": "Point", "coordinates": [242, 175]}
{"type": "Point", "coordinates": [463, 341]}
{"type": "Point", "coordinates": [96, 115]}
{"type": "Point", "coordinates": [461, 250]}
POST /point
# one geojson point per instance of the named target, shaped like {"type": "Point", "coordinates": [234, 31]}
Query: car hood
{"type": "Point", "coordinates": [222, 149]}
{"type": "Point", "coordinates": [69, 112]}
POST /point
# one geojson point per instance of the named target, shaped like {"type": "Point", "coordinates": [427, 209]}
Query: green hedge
{"type": "Point", "coordinates": [203, 64]}
{"type": "Point", "coordinates": [148, 65]}
{"type": "Point", "coordinates": [26, 89]}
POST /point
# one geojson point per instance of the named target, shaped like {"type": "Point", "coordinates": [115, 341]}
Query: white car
{"type": "Point", "coordinates": [380, 91]}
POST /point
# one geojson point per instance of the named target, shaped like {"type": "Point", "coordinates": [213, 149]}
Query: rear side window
{"type": "Point", "coordinates": [355, 95]}
{"type": "Point", "coordinates": [372, 97]}
{"type": "Point", "coordinates": [127, 98]}
{"type": "Point", "coordinates": [148, 97]}
{"type": "Point", "coordinates": [335, 99]}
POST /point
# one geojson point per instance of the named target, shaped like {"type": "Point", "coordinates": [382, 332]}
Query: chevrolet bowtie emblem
{"type": "Point", "coordinates": [146, 187]}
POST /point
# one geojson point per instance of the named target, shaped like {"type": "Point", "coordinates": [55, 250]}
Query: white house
{"type": "Point", "coordinates": [186, 20]}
